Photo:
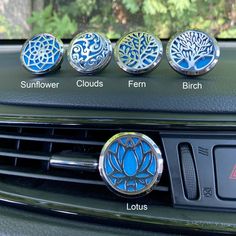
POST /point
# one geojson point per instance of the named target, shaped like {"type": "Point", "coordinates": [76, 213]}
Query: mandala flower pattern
{"type": "Point", "coordinates": [42, 53]}
{"type": "Point", "coordinates": [89, 52]}
{"type": "Point", "coordinates": [193, 50]}
{"type": "Point", "coordinates": [131, 164]}
{"type": "Point", "coordinates": [138, 52]}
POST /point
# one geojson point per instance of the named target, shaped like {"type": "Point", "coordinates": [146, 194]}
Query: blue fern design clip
{"type": "Point", "coordinates": [131, 164]}
{"type": "Point", "coordinates": [138, 52]}
{"type": "Point", "coordinates": [192, 52]}
{"type": "Point", "coordinates": [89, 52]}
{"type": "Point", "coordinates": [41, 54]}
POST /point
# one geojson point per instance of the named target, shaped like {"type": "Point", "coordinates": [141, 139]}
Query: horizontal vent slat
{"type": "Point", "coordinates": [51, 139]}
{"type": "Point", "coordinates": [23, 155]}
{"type": "Point", "coordinates": [87, 160]}
{"type": "Point", "coordinates": [65, 179]}
{"type": "Point", "coordinates": [7, 171]}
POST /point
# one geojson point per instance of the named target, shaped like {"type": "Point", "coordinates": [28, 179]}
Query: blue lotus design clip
{"type": "Point", "coordinates": [131, 163]}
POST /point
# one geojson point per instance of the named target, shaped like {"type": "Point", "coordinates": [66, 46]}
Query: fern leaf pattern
{"type": "Point", "coordinates": [139, 50]}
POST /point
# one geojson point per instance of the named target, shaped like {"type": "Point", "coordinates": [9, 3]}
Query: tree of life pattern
{"type": "Point", "coordinates": [138, 50]}
{"type": "Point", "coordinates": [192, 50]}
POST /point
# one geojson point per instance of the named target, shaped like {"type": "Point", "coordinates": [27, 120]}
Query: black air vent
{"type": "Point", "coordinates": [25, 153]}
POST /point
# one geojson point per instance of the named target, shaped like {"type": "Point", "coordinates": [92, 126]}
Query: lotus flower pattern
{"type": "Point", "coordinates": [41, 53]}
{"type": "Point", "coordinates": [130, 164]}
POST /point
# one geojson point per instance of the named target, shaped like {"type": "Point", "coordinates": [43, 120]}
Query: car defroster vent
{"type": "Point", "coordinates": [61, 154]}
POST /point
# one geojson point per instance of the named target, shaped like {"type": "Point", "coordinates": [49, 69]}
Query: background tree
{"type": "Point", "coordinates": [114, 17]}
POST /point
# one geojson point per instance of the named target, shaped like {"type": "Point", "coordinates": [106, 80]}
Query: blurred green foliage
{"type": "Point", "coordinates": [65, 18]}
{"type": "Point", "coordinates": [8, 30]}
{"type": "Point", "coordinates": [50, 21]}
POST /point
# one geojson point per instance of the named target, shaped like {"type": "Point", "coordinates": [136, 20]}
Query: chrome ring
{"type": "Point", "coordinates": [138, 52]}
{"type": "Point", "coordinates": [89, 53]}
{"type": "Point", "coordinates": [130, 164]}
{"type": "Point", "coordinates": [41, 54]}
{"type": "Point", "coordinates": [192, 52]}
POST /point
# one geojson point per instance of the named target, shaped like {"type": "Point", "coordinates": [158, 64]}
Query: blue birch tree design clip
{"type": "Point", "coordinates": [138, 52]}
{"type": "Point", "coordinates": [193, 52]}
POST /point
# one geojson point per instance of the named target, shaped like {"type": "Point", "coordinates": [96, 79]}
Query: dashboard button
{"type": "Point", "coordinates": [225, 165]}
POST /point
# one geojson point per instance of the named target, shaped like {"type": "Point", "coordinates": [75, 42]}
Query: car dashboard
{"type": "Point", "coordinates": [67, 116]}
